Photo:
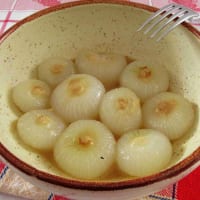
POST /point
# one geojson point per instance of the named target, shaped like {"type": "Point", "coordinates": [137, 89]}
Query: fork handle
{"type": "Point", "coordinates": [194, 20]}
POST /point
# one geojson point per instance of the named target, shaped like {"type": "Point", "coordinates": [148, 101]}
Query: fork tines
{"type": "Point", "coordinates": [163, 17]}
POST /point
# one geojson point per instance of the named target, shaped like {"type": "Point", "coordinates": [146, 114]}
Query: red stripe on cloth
{"type": "Point", "coordinates": [3, 169]}
{"type": "Point", "coordinates": [5, 22]}
{"type": "Point", "coordinates": [2, 166]}
{"type": "Point", "coordinates": [48, 2]}
{"type": "Point", "coordinates": [189, 187]}
{"type": "Point", "coordinates": [10, 20]}
{"type": "Point", "coordinates": [169, 193]}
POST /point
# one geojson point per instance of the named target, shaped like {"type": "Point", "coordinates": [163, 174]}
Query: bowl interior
{"type": "Point", "coordinates": [103, 27]}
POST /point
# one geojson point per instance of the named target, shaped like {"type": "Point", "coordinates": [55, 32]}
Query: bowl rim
{"type": "Point", "coordinates": [95, 185]}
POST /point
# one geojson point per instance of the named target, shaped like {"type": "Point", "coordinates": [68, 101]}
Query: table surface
{"type": "Point", "coordinates": [11, 11]}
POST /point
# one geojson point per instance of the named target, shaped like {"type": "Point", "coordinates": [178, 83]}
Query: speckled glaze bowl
{"type": "Point", "coordinates": [101, 25]}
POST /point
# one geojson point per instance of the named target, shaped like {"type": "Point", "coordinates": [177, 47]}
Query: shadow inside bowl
{"type": "Point", "coordinates": [179, 145]}
{"type": "Point", "coordinates": [12, 105]}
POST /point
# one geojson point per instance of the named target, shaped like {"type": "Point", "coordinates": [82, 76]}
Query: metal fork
{"type": "Point", "coordinates": [162, 18]}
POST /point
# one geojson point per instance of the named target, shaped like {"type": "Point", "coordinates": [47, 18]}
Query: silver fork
{"type": "Point", "coordinates": [164, 16]}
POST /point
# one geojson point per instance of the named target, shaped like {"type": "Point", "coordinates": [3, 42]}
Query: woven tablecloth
{"type": "Point", "coordinates": [11, 11]}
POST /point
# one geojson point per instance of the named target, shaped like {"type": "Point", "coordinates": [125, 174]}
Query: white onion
{"type": "Point", "coordinates": [145, 79]}
{"type": "Point", "coordinates": [78, 97]}
{"type": "Point", "coordinates": [120, 110]}
{"type": "Point", "coordinates": [170, 113]}
{"type": "Point", "coordinates": [106, 67]}
{"type": "Point", "coordinates": [143, 152]}
{"type": "Point", "coordinates": [31, 94]}
{"type": "Point", "coordinates": [86, 149]}
{"type": "Point", "coordinates": [55, 69]}
{"type": "Point", "coordinates": [40, 129]}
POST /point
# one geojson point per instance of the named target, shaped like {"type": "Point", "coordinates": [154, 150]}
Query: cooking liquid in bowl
{"type": "Point", "coordinates": [100, 27]}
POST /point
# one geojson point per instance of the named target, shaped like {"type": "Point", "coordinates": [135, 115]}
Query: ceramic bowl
{"type": "Point", "coordinates": [101, 25]}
